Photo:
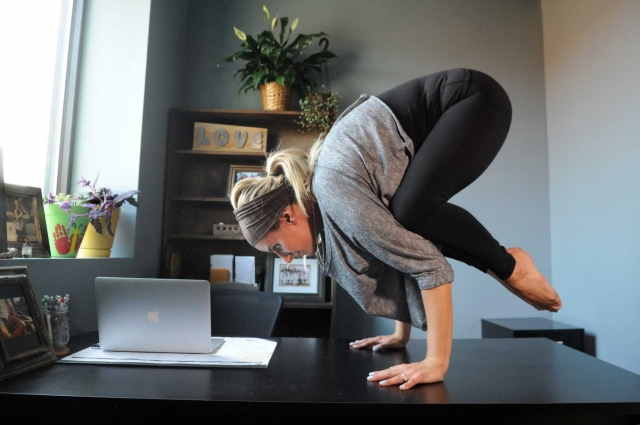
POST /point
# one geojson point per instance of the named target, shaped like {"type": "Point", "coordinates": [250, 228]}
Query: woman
{"type": "Point", "coordinates": [20, 217]}
{"type": "Point", "coordinates": [372, 202]}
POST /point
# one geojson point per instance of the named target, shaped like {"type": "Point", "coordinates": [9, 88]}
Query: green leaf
{"type": "Point", "coordinates": [246, 86]}
{"type": "Point", "coordinates": [281, 80]}
{"type": "Point", "coordinates": [319, 58]}
{"type": "Point", "coordinates": [283, 21]}
{"type": "Point", "coordinates": [257, 77]}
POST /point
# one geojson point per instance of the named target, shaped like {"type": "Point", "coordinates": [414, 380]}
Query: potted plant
{"type": "Point", "coordinates": [318, 111]}
{"type": "Point", "coordinates": [273, 65]}
{"type": "Point", "coordinates": [103, 214]}
{"type": "Point", "coordinates": [67, 223]}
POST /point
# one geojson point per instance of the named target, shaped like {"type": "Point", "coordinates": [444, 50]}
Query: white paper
{"type": "Point", "coordinates": [234, 352]}
{"type": "Point", "coordinates": [218, 261]}
{"type": "Point", "coordinates": [245, 269]}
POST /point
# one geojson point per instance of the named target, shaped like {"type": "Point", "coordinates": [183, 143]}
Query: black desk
{"type": "Point", "coordinates": [534, 380]}
{"type": "Point", "coordinates": [534, 327]}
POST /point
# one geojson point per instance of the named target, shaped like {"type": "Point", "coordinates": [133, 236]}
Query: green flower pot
{"type": "Point", "coordinates": [65, 243]}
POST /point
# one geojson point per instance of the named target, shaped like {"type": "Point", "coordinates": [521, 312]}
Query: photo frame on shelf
{"type": "Point", "coordinates": [24, 215]}
{"type": "Point", "coordinates": [295, 281]}
{"type": "Point", "coordinates": [24, 341]}
{"type": "Point", "coordinates": [239, 172]}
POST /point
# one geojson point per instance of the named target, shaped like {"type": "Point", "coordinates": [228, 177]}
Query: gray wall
{"type": "Point", "coordinates": [382, 43]}
{"type": "Point", "coordinates": [162, 91]}
{"type": "Point", "coordinates": [592, 57]}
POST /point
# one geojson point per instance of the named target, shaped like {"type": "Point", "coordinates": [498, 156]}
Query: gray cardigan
{"type": "Point", "coordinates": [379, 263]}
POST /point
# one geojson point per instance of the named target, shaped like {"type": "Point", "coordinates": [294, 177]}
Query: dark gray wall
{"type": "Point", "coordinates": [381, 43]}
{"type": "Point", "coordinates": [165, 59]}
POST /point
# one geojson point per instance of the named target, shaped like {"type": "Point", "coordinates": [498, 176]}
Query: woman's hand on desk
{"type": "Point", "coordinates": [427, 371]}
{"type": "Point", "coordinates": [380, 343]}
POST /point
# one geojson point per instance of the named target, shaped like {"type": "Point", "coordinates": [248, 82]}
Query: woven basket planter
{"type": "Point", "coordinates": [275, 97]}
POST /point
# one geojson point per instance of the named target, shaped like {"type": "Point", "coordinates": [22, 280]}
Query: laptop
{"type": "Point", "coordinates": [154, 315]}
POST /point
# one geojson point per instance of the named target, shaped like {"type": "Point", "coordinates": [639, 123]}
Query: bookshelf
{"type": "Point", "coordinates": [196, 198]}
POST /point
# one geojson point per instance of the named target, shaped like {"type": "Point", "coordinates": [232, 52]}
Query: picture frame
{"type": "Point", "coordinates": [24, 341]}
{"type": "Point", "coordinates": [24, 215]}
{"type": "Point", "coordinates": [3, 218]}
{"type": "Point", "coordinates": [239, 172]}
{"type": "Point", "coordinates": [292, 282]}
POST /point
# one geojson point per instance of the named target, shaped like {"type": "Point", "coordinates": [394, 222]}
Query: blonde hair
{"type": "Point", "coordinates": [293, 166]}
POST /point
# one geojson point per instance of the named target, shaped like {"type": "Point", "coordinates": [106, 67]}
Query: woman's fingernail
{"type": "Point", "coordinates": [383, 382]}
{"type": "Point", "coordinates": [402, 387]}
{"type": "Point", "coordinates": [371, 373]}
{"type": "Point", "coordinates": [375, 348]}
{"type": "Point", "coordinates": [369, 378]}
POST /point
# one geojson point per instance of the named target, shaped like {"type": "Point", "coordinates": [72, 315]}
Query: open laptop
{"type": "Point", "coordinates": [154, 315]}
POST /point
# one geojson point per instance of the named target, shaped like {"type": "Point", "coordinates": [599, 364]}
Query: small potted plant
{"type": "Point", "coordinates": [318, 112]}
{"type": "Point", "coordinates": [273, 65]}
{"type": "Point", "coordinates": [103, 213]}
{"type": "Point", "coordinates": [67, 223]}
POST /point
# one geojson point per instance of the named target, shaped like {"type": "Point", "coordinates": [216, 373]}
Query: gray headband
{"type": "Point", "coordinates": [259, 215]}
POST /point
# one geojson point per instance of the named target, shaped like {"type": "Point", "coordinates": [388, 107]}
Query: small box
{"type": "Point", "coordinates": [229, 139]}
{"type": "Point", "coordinates": [227, 231]}
{"type": "Point", "coordinates": [568, 335]}
{"type": "Point", "coordinates": [219, 275]}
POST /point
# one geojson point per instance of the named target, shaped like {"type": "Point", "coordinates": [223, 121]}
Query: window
{"type": "Point", "coordinates": [38, 51]}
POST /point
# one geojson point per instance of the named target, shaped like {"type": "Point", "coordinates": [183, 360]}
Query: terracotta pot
{"type": "Point", "coordinates": [96, 245]}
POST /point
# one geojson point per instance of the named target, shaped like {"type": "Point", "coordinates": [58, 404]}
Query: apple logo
{"type": "Point", "coordinates": [153, 316]}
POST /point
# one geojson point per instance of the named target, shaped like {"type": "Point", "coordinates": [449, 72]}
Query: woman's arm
{"type": "Point", "coordinates": [438, 306]}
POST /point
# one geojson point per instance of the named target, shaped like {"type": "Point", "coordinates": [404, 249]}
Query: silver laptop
{"type": "Point", "coordinates": [154, 315]}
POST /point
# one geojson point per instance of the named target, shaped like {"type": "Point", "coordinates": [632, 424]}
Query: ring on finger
{"type": "Point", "coordinates": [404, 378]}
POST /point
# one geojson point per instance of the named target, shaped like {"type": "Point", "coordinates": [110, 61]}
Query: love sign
{"type": "Point", "coordinates": [229, 139]}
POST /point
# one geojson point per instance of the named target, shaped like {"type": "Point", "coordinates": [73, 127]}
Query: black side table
{"type": "Point", "coordinates": [568, 335]}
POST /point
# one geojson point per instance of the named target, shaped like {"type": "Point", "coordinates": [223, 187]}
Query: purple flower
{"type": "Point", "coordinates": [100, 203]}
{"type": "Point", "coordinates": [66, 206]}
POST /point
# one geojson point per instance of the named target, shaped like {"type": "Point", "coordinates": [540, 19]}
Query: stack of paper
{"type": "Point", "coordinates": [233, 352]}
{"type": "Point", "coordinates": [245, 269]}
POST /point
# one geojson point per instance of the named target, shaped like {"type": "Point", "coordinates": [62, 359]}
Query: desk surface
{"type": "Point", "coordinates": [308, 376]}
{"type": "Point", "coordinates": [532, 324]}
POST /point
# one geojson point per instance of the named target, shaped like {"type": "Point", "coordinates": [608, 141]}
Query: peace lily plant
{"type": "Point", "coordinates": [271, 57]}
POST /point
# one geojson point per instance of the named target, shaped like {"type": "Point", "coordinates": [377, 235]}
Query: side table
{"type": "Point", "coordinates": [568, 335]}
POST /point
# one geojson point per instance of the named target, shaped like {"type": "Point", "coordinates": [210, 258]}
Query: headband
{"type": "Point", "coordinates": [259, 215]}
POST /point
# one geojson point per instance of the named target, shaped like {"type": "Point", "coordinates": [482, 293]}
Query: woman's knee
{"type": "Point", "coordinates": [492, 94]}
{"type": "Point", "coordinates": [411, 216]}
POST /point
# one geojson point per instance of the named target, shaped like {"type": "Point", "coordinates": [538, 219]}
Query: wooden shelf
{"type": "Point", "coordinates": [201, 199]}
{"type": "Point", "coordinates": [236, 112]}
{"type": "Point", "coordinates": [203, 237]}
{"type": "Point", "coordinates": [191, 152]}
{"type": "Point", "coordinates": [296, 304]}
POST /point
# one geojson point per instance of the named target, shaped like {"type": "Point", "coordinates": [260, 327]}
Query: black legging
{"type": "Point", "coordinates": [458, 120]}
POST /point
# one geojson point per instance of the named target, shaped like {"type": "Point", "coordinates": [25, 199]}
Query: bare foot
{"type": "Point", "coordinates": [529, 284]}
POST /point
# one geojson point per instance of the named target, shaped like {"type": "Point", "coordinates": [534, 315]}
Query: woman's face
{"type": "Point", "coordinates": [293, 239]}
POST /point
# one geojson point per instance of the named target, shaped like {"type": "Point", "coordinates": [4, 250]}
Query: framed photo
{"type": "Point", "coordinates": [24, 214]}
{"type": "Point", "coordinates": [24, 344]}
{"type": "Point", "coordinates": [295, 281]}
{"type": "Point", "coordinates": [239, 172]}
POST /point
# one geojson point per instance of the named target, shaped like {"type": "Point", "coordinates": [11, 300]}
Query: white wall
{"type": "Point", "coordinates": [110, 103]}
{"type": "Point", "coordinates": [381, 43]}
{"type": "Point", "coordinates": [164, 59]}
{"type": "Point", "coordinates": [592, 60]}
